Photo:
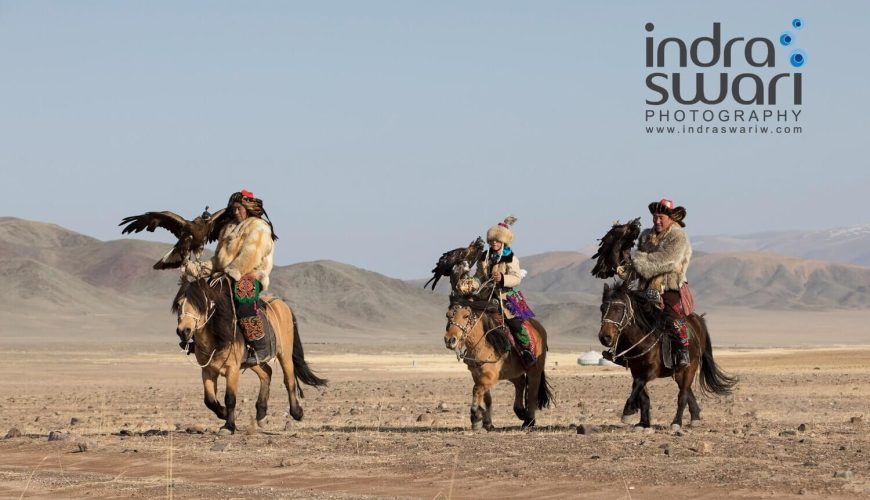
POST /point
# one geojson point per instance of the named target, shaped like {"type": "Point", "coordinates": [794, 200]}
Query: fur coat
{"type": "Point", "coordinates": [663, 259]}
{"type": "Point", "coordinates": [243, 248]}
{"type": "Point", "coordinates": [509, 266]}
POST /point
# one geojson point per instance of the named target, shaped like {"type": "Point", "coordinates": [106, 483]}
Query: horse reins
{"type": "Point", "coordinates": [627, 319]}
{"type": "Point", "coordinates": [466, 330]}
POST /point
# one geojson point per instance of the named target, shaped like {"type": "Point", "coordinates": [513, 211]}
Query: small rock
{"type": "Point", "coordinates": [13, 433]}
{"type": "Point", "coordinates": [442, 406]}
{"type": "Point", "coordinates": [802, 491]}
{"type": "Point", "coordinates": [154, 432]}
{"type": "Point", "coordinates": [288, 426]}
{"type": "Point", "coordinates": [195, 429]}
{"type": "Point", "coordinates": [787, 433]}
{"type": "Point", "coordinates": [856, 420]}
{"type": "Point", "coordinates": [702, 447]}
{"type": "Point", "coordinates": [421, 417]}
{"type": "Point", "coordinates": [355, 411]}
{"type": "Point", "coordinates": [74, 421]}
{"type": "Point", "coordinates": [56, 436]}
{"type": "Point", "coordinates": [587, 429]}
{"type": "Point", "coordinates": [286, 462]}
{"type": "Point", "coordinates": [125, 432]}
{"type": "Point", "coordinates": [220, 447]}
{"type": "Point", "coordinates": [83, 446]}
{"type": "Point", "coordinates": [802, 427]}
{"type": "Point", "coordinates": [844, 474]}
{"type": "Point", "coordinates": [595, 457]}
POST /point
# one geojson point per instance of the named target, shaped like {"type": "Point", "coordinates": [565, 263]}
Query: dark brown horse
{"type": "Point", "coordinates": [206, 313]}
{"type": "Point", "coordinates": [490, 358]}
{"type": "Point", "coordinates": [635, 333]}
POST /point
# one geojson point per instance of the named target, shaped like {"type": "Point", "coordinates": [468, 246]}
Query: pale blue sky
{"type": "Point", "coordinates": [383, 133]}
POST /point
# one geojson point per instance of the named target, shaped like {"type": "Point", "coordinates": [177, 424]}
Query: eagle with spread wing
{"type": "Point", "coordinates": [449, 260]}
{"type": "Point", "coordinates": [192, 235]}
{"type": "Point", "coordinates": [615, 248]}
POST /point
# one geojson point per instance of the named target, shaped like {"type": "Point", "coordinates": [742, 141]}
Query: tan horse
{"type": "Point", "coordinates": [489, 360]}
{"type": "Point", "coordinates": [206, 313]}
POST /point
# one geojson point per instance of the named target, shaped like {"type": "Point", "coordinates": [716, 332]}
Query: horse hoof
{"type": "Point", "coordinates": [528, 423]}
{"type": "Point", "coordinates": [675, 427]}
{"type": "Point", "coordinates": [475, 426]}
{"type": "Point", "coordinates": [626, 419]}
{"type": "Point", "coordinates": [262, 422]}
{"type": "Point", "coordinates": [297, 414]}
{"type": "Point", "coordinates": [695, 423]}
{"type": "Point", "coordinates": [639, 428]}
{"type": "Point", "coordinates": [225, 432]}
{"type": "Point", "coordinates": [489, 427]}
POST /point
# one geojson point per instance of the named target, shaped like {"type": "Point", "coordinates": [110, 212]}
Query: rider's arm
{"type": "Point", "coordinates": [512, 276]}
{"type": "Point", "coordinates": [667, 259]}
{"type": "Point", "coordinates": [257, 244]}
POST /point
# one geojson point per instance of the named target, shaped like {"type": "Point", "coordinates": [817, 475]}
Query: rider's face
{"type": "Point", "coordinates": [239, 212]}
{"type": "Point", "coordinates": [495, 245]}
{"type": "Point", "coordinates": [661, 222]}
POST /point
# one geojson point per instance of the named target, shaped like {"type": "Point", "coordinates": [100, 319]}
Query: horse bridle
{"type": "Point", "coordinates": [626, 320]}
{"type": "Point", "coordinates": [627, 315]}
{"type": "Point", "coordinates": [197, 317]}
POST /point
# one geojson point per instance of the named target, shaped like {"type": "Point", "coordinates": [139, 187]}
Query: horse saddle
{"type": "Point", "coordinates": [259, 335]}
{"type": "Point", "coordinates": [495, 325]}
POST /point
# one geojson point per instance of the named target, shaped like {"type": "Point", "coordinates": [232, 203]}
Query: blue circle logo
{"type": "Point", "coordinates": [786, 38]}
{"type": "Point", "coordinates": [797, 58]}
{"type": "Point", "coordinates": [797, 23]}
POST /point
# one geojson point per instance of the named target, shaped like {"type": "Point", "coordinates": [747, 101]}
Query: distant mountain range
{"type": "Point", "coordinates": [47, 268]}
{"type": "Point", "coordinates": [849, 245]}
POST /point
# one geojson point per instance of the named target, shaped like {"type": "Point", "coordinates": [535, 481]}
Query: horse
{"type": "Point", "coordinates": [206, 314]}
{"type": "Point", "coordinates": [632, 331]}
{"type": "Point", "coordinates": [489, 360]}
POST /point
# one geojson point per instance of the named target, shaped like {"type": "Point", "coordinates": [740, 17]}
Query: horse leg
{"type": "Point", "coordinates": [487, 413]}
{"type": "Point", "coordinates": [643, 398]}
{"type": "Point", "coordinates": [209, 385]}
{"type": "Point", "coordinates": [631, 405]}
{"type": "Point", "coordinates": [230, 400]}
{"type": "Point", "coordinates": [286, 360]}
{"type": "Point", "coordinates": [694, 409]}
{"type": "Point", "coordinates": [264, 372]}
{"type": "Point", "coordinates": [684, 381]}
{"type": "Point", "coordinates": [533, 384]}
{"type": "Point", "coordinates": [520, 391]}
{"type": "Point", "coordinates": [481, 387]}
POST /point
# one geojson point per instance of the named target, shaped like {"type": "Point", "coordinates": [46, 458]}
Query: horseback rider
{"type": "Point", "coordinates": [661, 261]}
{"type": "Point", "coordinates": [244, 254]}
{"type": "Point", "coordinates": [500, 265]}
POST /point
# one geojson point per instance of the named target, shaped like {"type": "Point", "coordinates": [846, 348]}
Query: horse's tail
{"type": "Point", "coordinates": [713, 380]}
{"type": "Point", "coordinates": [545, 392]}
{"type": "Point", "coordinates": [301, 370]}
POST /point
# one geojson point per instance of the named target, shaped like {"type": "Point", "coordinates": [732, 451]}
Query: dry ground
{"type": "Point", "coordinates": [396, 425]}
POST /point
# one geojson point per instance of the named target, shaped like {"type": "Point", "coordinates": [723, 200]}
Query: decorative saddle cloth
{"type": "Point", "coordinates": [495, 324]}
{"type": "Point", "coordinates": [253, 321]}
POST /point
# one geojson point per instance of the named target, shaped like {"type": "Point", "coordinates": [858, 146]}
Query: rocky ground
{"type": "Point", "coordinates": [120, 424]}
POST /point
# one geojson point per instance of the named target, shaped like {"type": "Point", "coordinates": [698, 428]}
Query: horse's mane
{"type": "Point", "coordinates": [646, 317]}
{"type": "Point", "coordinates": [494, 339]}
{"type": "Point", "coordinates": [200, 294]}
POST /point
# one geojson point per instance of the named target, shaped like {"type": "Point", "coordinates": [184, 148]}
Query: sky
{"type": "Point", "coordinates": [383, 133]}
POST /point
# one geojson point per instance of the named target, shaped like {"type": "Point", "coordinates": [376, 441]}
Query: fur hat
{"type": "Point", "coordinates": [254, 207]}
{"type": "Point", "coordinates": [666, 207]}
{"type": "Point", "coordinates": [502, 231]}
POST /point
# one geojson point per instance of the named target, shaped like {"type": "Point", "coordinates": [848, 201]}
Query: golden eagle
{"type": "Point", "coordinates": [192, 235]}
{"type": "Point", "coordinates": [614, 249]}
{"type": "Point", "coordinates": [448, 260]}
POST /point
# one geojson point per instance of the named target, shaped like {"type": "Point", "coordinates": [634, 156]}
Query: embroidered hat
{"type": "Point", "coordinates": [666, 207]}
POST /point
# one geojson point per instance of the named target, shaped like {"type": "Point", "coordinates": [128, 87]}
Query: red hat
{"type": "Point", "coordinates": [247, 194]}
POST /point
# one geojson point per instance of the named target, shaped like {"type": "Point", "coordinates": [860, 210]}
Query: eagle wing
{"type": "Point", "coordinates": [613, 249]}
{"type": "Point", "coordinates": [149, 221]}
{"type": "Point", "coordinates": [217, 222]}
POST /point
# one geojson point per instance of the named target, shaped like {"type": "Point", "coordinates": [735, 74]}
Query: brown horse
{"type": "Point", "coordinates": [634, 334]}
{"type": "Point", "coordinates": [490, 359]}
{"type": "Point", "coordinates": [206, 313]}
